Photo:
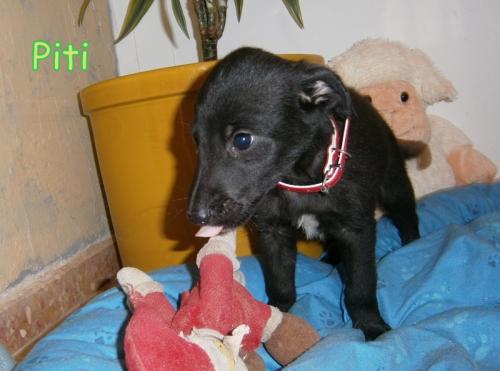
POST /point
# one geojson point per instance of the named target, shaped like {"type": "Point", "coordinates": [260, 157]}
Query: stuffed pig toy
{"type": "Point", "coordinates": [401, 83]}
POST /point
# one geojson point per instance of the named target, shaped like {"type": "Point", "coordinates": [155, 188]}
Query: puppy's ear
{"type": "Point", "coordinates": [324, 90]}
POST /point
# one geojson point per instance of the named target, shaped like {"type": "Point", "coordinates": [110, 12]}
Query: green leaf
{"type": "Point", "coordinates": [239, 7]}
{"type": "Point", "coordinates": [179, 16]}
{"type": "Point", "coordinates": [293, 7]}
{"type": "Point", "coordinates": [135, 11]}
{"type": "Point", "coordinates": [83, 9]}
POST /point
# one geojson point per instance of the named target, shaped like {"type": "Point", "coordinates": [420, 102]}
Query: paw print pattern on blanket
{"type": "Point", "coordinates": [494, 260]}
{"type": "Point", "coordinates": [328, 319]}
{"type": "Point", "coordinates": [480, 346]}
{"type": "Point", "coordinates": [435, 299]}
{"type": "Point", "coordinates": [457, 320]}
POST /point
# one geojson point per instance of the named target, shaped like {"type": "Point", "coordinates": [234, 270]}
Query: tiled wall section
{"type": "Point", "coordinates": [35, 307]}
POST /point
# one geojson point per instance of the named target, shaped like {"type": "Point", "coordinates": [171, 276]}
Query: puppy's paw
{"type": "Point", "coordinates": [283, 306]}
{"type": "Point", "coordinates": [374, 330]}
{"type": "Point", "coordinates": [368, 320]}
{"type": "Point", "coordinates": [409, 236]}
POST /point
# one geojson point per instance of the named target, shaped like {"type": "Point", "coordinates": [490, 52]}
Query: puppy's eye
{"type": "Point", "coordinates": [242, 141]}
{"type": "Point", "coordinates": [404, 97]}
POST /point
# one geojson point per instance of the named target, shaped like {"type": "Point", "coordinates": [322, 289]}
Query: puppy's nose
{"type": "Point", "coordinates": [199, 216]}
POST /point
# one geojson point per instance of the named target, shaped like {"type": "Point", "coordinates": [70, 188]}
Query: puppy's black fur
{"type": "Point", "coordinates": [284, 108]}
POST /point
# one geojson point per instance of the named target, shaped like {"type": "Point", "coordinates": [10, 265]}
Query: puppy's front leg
{"type": "Point", "coordinates": [357, 248]}
{"type": "Point", "coordinates": [278, 247]}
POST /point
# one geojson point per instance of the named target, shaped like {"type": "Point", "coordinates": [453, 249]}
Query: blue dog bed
{"type": "Point", "coordinates": [441, 294]}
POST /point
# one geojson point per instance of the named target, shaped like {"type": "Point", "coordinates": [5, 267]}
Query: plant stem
{"type": "Point", "coordinates": [211, 15]}
{"type": "Point", "coordinates": [209, 49]}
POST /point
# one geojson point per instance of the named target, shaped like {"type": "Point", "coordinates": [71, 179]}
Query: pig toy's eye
{"type": "Point", "coordinates": [405, 97]}
{"type": "Point", "coordinates": [242, 141]}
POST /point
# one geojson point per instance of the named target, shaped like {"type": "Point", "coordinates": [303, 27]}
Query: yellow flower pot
{"type": "Point", "coordinates": [141, 129]}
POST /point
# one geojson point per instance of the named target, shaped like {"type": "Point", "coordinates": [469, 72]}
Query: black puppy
{"type": "Point", "coordinates": [261, 120]}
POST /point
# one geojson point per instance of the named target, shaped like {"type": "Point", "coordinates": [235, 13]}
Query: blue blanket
{"type": "Point", "coordinates": [441, 294]}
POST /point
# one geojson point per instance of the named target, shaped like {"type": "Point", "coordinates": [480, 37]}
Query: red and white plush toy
{"type": "Point", "coordinates": [218, 326]}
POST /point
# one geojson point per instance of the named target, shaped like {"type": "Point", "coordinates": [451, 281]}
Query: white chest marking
{"type": "Point", "coordinates": [309, 225]}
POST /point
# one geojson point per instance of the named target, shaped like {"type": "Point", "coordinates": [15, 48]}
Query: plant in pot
{"type": "Point", "coordinates": [140, 125]}
{"type": "Point", "coordinates": [210, 16]}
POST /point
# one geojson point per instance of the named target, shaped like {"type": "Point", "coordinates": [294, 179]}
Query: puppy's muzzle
{"type": "Point", "coordinates": [199, 216]}
{"type": "Point", "coordinates": [219, 210]}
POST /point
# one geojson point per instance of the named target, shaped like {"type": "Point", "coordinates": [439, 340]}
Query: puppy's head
{"type": "Point", "coordinates": [256, 116]}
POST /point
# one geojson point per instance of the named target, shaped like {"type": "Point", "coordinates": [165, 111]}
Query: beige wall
{"type": "Point", "coordinates": [51, 205]}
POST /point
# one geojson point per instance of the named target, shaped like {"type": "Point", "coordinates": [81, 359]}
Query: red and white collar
{"type": "Point", "coordinates": [334, 163]}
